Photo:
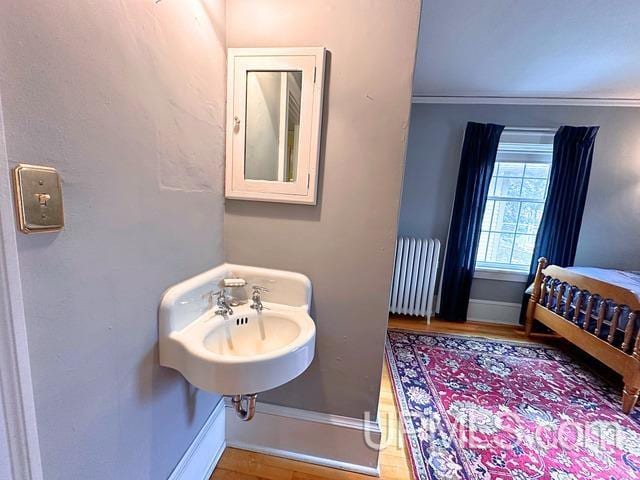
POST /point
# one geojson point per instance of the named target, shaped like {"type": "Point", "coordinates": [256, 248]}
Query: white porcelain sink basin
{"type": "Point", "coordinates": [254, 335]}
{"type": "Point", "coordinates": [246, 352]}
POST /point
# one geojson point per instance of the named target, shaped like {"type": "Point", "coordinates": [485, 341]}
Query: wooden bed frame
{"type": "Point", "coordinates": [624, 359]}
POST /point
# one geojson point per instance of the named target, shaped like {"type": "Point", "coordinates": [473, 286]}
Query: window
{"type": "Point", "coordinates": [515, 203]}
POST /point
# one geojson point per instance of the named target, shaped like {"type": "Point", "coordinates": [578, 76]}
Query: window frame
{"type": "Point", "coordinates": [537, 145]}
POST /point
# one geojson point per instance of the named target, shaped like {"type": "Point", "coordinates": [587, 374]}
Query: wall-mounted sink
{"type": "Point", "coordinates": [248, 351]}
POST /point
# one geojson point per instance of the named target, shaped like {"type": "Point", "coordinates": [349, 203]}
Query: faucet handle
{"type": "Point", "coordinates": [255, 298]}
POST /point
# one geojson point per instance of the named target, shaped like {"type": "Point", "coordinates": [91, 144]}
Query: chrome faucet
{"type": "Point", "coordinates": [256, 301]}
{"type": "Point", "coordinates": [222, 306]}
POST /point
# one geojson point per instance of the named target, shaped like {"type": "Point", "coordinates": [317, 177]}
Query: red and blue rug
{"type": "Point", "coordinates": [474, 408]}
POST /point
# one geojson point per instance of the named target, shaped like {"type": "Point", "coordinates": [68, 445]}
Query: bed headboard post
{"type": "Point", "coordinates": [537, 282]}
{"type": "Point", "coordinates": [535, 294]}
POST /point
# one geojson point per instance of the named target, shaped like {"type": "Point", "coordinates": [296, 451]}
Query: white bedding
{"type": "Point", "coordinates": [628, 280]}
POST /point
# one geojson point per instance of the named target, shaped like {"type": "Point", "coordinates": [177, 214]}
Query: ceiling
{"type": "Point", "coordinates": [529, 48]}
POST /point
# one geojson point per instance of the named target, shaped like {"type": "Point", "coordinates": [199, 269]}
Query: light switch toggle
{"type": "Point", "coordinates": [38, 198]}
{"type": "Point", "coordinates": [43, 198]}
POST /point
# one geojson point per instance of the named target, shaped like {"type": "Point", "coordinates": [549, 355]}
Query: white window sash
{"type": "Point", "coordinates": [515, 148]}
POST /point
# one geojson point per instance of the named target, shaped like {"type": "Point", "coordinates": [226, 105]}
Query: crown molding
{"type": "Point", "coordinates": [551, 101]}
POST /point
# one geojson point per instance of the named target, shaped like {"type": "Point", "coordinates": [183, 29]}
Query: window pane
{"type": "Point", "coordinates": [482, 246]}
{"type": "Point", "coordinates": [499, 247]}
{"type": "Point", "coordinates": [530, 216]}
{"type": "Point", "coordinates": [509, 227]}
{"type": "Point", "coordinates": [492, 186]}
{"type": "Point", "coordinates": [506, 169]}
{"type": "Point", "coordinates": [505, 216]}
{"type": "Point", "coordinates": [508, 187]}
{"type": "Point", "coordinates": [523, 249]}
{"type": "Point", "coordinates": [534, 188]}
{"type": "Point", "coordinates": [537, 170]}
{"type": "Point", "coordinates": [488, 214]}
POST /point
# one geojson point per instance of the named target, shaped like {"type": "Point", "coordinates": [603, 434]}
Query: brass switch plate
{"type": "Point", "coordinates": [38, 198]}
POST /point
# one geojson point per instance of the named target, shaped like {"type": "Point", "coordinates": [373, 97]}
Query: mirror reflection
{"type": "Point", "coordinates": [272, 125]}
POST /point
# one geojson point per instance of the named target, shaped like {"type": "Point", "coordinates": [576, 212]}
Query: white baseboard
{"type": "Point", "coordinates": [206, 449]}
{"type": "Point", "coordinates": [490, 311]}
{"type": "Point", "coordinates": [312, 437]}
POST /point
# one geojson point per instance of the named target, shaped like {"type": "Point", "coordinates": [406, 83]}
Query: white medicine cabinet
{"type": "Point", "coordinates": [274, 117]}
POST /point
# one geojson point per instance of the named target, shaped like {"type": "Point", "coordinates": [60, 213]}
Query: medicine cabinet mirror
{"type": "Point", "coordinates": [274, 114]}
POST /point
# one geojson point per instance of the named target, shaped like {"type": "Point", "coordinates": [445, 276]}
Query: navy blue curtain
{"type": "Point", "coordinates": [568, 183]}
{"type": "Point", "coordinates": [476, 167]}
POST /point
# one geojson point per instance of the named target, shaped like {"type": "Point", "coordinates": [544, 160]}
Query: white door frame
{"type": "Point", "coordinates": [20, 455]}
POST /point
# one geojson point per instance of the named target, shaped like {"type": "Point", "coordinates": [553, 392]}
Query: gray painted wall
{"type": "Point", "coordinates": [345, 244]}
{"type": "Point", "coordinates": [127, 100]}
{"type": "Point", "coordinates": [610, 234]}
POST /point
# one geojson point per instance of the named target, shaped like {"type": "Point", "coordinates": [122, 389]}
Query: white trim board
{"type": "Point", "coordinates": [490, 311]}
{"type": "Point", "coordinates": [18, 416]}
{"type": "Point", "coordinates": [205, 451]}
{"type": "Point", "coordinates": [498, 100]}
{"type": "Point", "coordinates": [319, 438]}
{"type": "Point", "coordinates": [501, 275]}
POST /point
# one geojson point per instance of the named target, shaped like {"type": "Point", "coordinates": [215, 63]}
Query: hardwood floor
{"type": "Point", "coordinates": [243, 465]}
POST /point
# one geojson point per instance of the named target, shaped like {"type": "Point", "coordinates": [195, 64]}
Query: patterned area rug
{"type": "Point", "coordinates": [484, 409]}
